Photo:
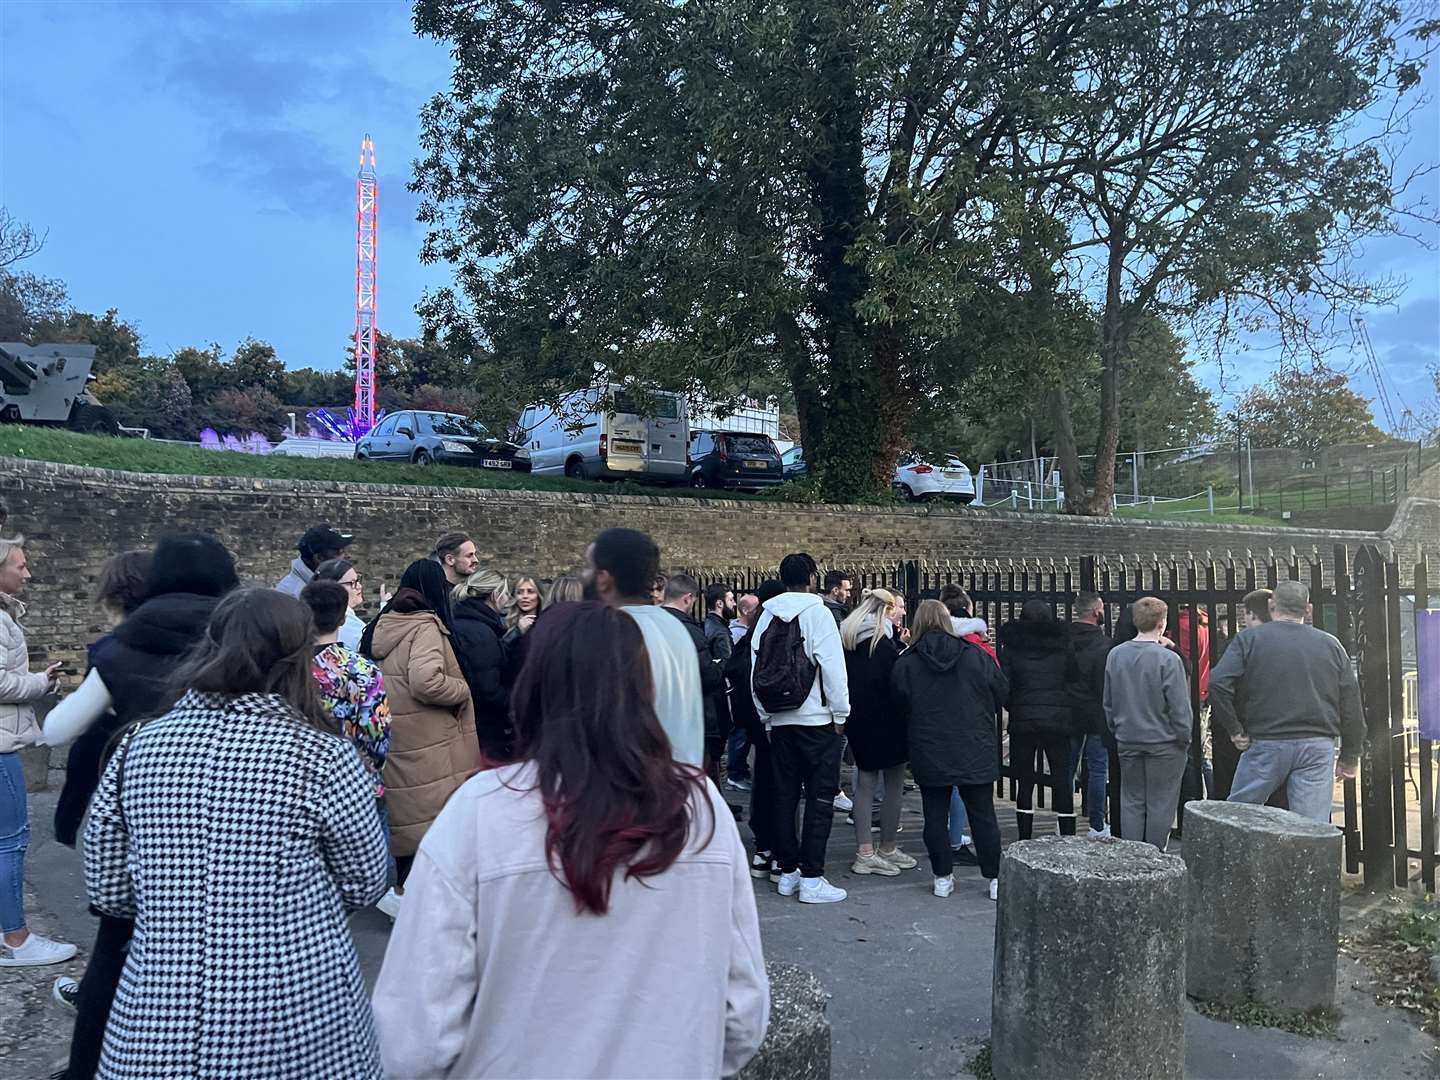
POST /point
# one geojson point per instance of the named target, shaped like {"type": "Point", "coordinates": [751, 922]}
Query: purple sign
{"type": "Point", "coordinates": [1427, 665]}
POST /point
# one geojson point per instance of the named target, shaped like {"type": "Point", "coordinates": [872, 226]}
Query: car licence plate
{"type": "Point", "coordinates": [757, 464]}
{"type": "Point", "coordinates": [953, 475]}
{"type": "Point", "coordinates": [497, 463]}
{"type": "Point", "coordinates": [625, 446]}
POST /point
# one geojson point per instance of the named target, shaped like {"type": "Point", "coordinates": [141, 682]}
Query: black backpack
{"type": "Point", "coordinates": [783, 673]}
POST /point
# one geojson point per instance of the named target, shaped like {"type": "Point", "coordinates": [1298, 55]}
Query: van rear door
{"type": "Point", "coordinates": [627, 435]}
{"type": "Point", "coordinates": [669, 436]}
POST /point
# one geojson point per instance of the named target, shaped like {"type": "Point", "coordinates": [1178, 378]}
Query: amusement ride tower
{"type": "Point", "coordinates": [365, 287]}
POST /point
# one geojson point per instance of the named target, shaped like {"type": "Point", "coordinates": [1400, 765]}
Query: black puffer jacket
{"type": "Point", "coordinates": [1087, 687]}
{"type": "Point", "coordinates": [478, 630]}
{"type": "Point", "coordinates": [1039, 664]}
{"type": "Point", "coordinates": [875, 730]}
{"type": "Point", "coordinates": [947, 692]}
{"type": "Point", "coordinates": [137, 661]}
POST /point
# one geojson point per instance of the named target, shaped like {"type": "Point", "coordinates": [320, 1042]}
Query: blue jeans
{"type": "Point", "coordinates": [1097, 761]}
{"type": "Point", "coordinates": [959, 822]}
{"type": "Point", "coordinates": [737, 755]}
{"type": "Point", "coordinates": [14, 839]}
{"type": "Point", "coordinates": [1304, 767]}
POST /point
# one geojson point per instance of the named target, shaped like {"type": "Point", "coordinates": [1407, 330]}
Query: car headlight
{"type": "Point", "coordinates": [455, 447]}
{"type": "Point", "coordinates": [522, 454]}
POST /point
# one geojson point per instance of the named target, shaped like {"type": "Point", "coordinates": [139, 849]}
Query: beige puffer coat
{"type": "Point", "coordinates": [19, 686]}
{"type": "Point", "coordinates": [433, 748]}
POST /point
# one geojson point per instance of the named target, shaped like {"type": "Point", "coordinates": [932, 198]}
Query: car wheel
{"type": "Point", "coordinates": [697, 480]}
{"type": "Point", "coordinates": [903, 490]}
{"type": "Point", "coordinates": [93, 420]}
{"type": "Point", "coordinates": [575, 469]}
{"type": "Point", "coordinates": [422, 457]}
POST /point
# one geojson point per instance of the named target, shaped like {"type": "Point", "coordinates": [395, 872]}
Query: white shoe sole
{"type": "Point", "coordinates": [783, 891]}
{"type": "Point", "coordinates": [760, 873]}
{"type": "Point", "coordinates": [812, 899]}
{"type": "Point", "coordinates": [857, 868]}
{"type": "Point", "coordinates": [67, 953]}
{"type": "Point", "coordinates": [56, 997]}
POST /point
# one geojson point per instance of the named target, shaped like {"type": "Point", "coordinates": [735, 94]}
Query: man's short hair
{"type": "Point", "coordinates": [1292, 598]}
{"type": "Point", "coordinates": [715, 594]}
{"type": "Point", "coordinates": [768, 590]}
{"type": "Point", "coordinates": [834, 579]}
{"type": "Point", "coordinates": [1150, 613]}
{"type": "Point", "coordinates": [631, 558]}
{"type": "Point", "coordinates": [1257, 603]}
{"type": "Point", "coordinates": [328, 602]}
{"type": "Point", "coordinates": [955, 599]}
{"type": "Point", "coordinates": [678, 585]}
{"type": "Point", "coordinates": [1087, 602]}
{"type": "Point", "coordinates": [798, 571]}
{"type": "Point", "coordinates": [449, 544]}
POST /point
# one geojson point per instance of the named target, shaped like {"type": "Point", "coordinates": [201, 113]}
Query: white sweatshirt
{"type": "Point", "coordinates": [823, 646]}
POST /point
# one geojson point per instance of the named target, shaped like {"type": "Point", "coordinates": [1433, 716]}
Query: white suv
{"type": "Point", "coordinates": [917, 479]}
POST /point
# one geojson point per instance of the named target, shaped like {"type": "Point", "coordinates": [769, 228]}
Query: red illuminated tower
{"type": "Point", "coordinates": [365, 282]}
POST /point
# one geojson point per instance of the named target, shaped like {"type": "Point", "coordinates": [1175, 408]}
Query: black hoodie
{"type": "Point", "coordinates": [948, 692]}
{"type": "Point", "coordinates": [1039, 663]}
{"type": "Point", "coordinates": [476, 634]}
{"type": "Point", "coordinates": [137, 660]}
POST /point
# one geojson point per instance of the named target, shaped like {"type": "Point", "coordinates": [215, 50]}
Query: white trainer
{"type": "Point", "coordinates": [898, 858]}
{"type": "Point", "coordinates": [1100, 834]}
{"type": "Point", "coordinates": [994, 888]}
{"type": "Point", "coordinates": [36, 952]}
{"type": "Point", "coordinates": [819, 891]}
{"type": "Point", "coordinates": [944, 886]}
{"type": "Point", "coordinates": [843, 803]}
{"type": "Point", "coordinates": [789, 883]}
{"type": "Point", "coordinates": [874, 864]}
{"type": "Point", "coordinates": [389, 904]}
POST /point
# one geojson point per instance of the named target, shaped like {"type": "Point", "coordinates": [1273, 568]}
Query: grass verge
{"type": "Point", "coordinates": [1313, 1023]}
{"type": "Point", "coordinates": [979, 1065]}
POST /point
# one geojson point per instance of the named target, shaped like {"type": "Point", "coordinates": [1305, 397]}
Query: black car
{"type": "Point", "coordinates": [794, 463]}
{"type": "Point", "coordinates": [425, 438]}
{"type": "Point", "coordinates": [736, 460]}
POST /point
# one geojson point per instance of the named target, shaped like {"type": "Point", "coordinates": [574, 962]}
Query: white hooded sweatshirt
{"type": "Point", "coordinates": [822, 645]}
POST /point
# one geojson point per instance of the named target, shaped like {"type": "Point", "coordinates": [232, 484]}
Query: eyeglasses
{"type": "Point", "coordinates": [352, 584]}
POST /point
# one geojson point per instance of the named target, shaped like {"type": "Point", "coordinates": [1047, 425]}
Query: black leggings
{"type": "Point", "coordinates": [97, 995]}
{"type": "Point", "coordinates": [984, 829]}
{"type": "Point", "coordinates": [1023, 750]}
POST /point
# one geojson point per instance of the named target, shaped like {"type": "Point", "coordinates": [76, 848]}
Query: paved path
{"type": "Point", "coordinates": [909, 974]}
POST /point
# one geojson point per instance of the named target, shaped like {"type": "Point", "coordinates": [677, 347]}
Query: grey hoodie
{"type": "Point", "coordinates": [1147, 699]}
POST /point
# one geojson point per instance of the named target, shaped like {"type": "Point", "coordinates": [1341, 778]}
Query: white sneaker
{"type": "Point", "coordinates": [64, 992]}
{"type": "Point", "coordinates": [843, 803]}
{"type": "Point", "coordinates": [874, 864]}
{"type": "Point", "coordinates": [819, 891]}
{"type": "Point", "coordinates": [1100, 834]}
{"type": "Point", "coordinates": [36, 952]}
{"type": "Point", "coordinates": [789, 883]}
{"type": "Point", "coordinates": [994, 888]}
{"type": "Point", "coordinates": [761, 865]}
{"type": "Point", "coordinates": [389, 904]}
{"type": "Point", "coordinates": [898, 858]}
{"type": "Point", "coordinates": [944, 886]}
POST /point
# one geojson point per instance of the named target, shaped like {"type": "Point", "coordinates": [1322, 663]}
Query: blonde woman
{"type": "Point", "coordinates": [876, 733]}
{"type": "Point", "coordinates": [948, 692]}
{"type": "Point", "coordinates": [524, 610]}
{"type": "Point", "coordinates": [481, 602]}
{"type": "Point", "coordinates": [566, 589]}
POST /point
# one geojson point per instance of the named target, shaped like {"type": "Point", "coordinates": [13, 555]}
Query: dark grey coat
{"type": "Point", "coordinates": [948, 692]}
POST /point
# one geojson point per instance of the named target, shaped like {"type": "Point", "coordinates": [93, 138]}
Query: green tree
{"type": "Point", "coordinates": [204, 370]}
{"type": "Point", "coordinates": [242, 411]}
{"type": "Point", "coordinates": [1306, 410]}
{"type": "Point", "coordinates": [28, 301]}
{"type": "Point", "coordinates": [255, 365]}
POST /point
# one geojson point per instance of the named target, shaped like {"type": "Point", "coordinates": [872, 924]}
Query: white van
{"type": "Point", "coordinates": [601, 434]}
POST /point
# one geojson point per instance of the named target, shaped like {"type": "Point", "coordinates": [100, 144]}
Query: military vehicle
{"type": "Point", "coordinates": [50, 384]}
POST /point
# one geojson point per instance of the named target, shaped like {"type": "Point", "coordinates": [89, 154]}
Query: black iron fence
{"type": "Point", "coordinates": [1389, 811]}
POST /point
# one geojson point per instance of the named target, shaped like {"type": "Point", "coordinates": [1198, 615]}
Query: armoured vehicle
{"type": "Point", "coordinates": [50, 384]}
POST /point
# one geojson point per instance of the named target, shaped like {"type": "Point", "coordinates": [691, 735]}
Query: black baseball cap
{"type": "Point", "coordinates": [320, 538]}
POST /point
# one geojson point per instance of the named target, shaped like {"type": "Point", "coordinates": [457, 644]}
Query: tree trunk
{"type": "Point", "coordinates": [1114, 342]}
{"type": "Point", "coordinates": [1066, 450]}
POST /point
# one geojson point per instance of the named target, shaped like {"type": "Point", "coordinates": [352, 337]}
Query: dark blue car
{"type": "Point", "coordinates": [438, 438]}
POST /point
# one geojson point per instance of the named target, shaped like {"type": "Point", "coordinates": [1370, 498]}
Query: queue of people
{"type": "Point", "coordinates": [496, 760]}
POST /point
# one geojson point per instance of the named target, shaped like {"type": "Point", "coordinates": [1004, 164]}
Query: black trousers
{"type": "Point", "coordinates": [1023, 749]}
{"type": "Point", "coordinates": [979, 802]}
{"type": "Point", "coordinates": [762, 793]}
{"type": "Point", "coordinates": [806, 762]}
{"type": "Point", "coordinates": [97, 995]}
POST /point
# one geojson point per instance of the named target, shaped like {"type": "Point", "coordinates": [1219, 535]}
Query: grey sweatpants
{"type": "Point", "coordinates": [1150, 775]}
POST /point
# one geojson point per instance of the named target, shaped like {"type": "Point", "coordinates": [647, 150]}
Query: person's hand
{"type": "Point", "coordinates": [1242, 742]}
{"type": "Point", "coordinates": [1166, 642]}
{"type": "Point", "coordinates": [385, 596]}
{"type": "Point", "coordinates": [839, 729]}
{"type": "Point", "coordinates": [1347, 770]}
{"type": "Point", "coordinates": [52, 675]}
{"type": "Point", "coordinates": [526, 621]}
{"type": "Point", "coordinates": [904, 633]}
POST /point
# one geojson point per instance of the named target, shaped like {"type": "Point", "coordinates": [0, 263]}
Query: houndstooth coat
{"type": "Point", "coordinates": [239, 841]}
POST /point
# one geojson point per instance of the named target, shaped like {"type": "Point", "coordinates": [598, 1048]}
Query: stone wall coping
{"type": "Point", "coordinates": [184, 482]}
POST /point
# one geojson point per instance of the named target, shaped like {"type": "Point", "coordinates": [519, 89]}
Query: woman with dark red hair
{"type": "Point", "coordinates": [587, 910]}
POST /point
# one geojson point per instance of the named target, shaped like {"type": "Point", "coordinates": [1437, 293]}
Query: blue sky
{"type": "Point", "coordinates": [194, 165]}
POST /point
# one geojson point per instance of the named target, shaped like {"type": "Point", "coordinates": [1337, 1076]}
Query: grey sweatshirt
{"type": "Point", "coordinates": [1146, 696]}
{"type": "Point", "coordinates": [1288, 681]}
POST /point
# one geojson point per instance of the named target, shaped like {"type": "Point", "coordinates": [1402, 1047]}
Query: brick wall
{"type": "Point", "coordinates": [74, 518]}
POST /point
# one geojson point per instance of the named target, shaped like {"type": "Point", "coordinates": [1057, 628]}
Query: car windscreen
{"type": "Point", "coordinates": [440, 424]}
{"type": "Point", "coordinates": [656, 406]}
{"type": "Point", "coordinates": [750, 444]}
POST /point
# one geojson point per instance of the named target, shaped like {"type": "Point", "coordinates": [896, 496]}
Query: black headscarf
{"type": "Point", "coordinates": [423, 587]}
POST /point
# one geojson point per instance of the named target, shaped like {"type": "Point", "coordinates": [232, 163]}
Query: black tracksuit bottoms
{"type": "Point", "coordinates": [806, 762]}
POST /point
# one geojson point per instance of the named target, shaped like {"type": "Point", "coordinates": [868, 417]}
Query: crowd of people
{"type": "Point", "coordinates": [527, 775]}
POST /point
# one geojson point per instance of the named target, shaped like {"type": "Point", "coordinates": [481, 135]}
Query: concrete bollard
{"type": "Point", "coordinates": [1264, 906]}
{"type": "Point", "coordinates": [1089, 979]}
{"type": "Point", "coordinates": [797, 1046]}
